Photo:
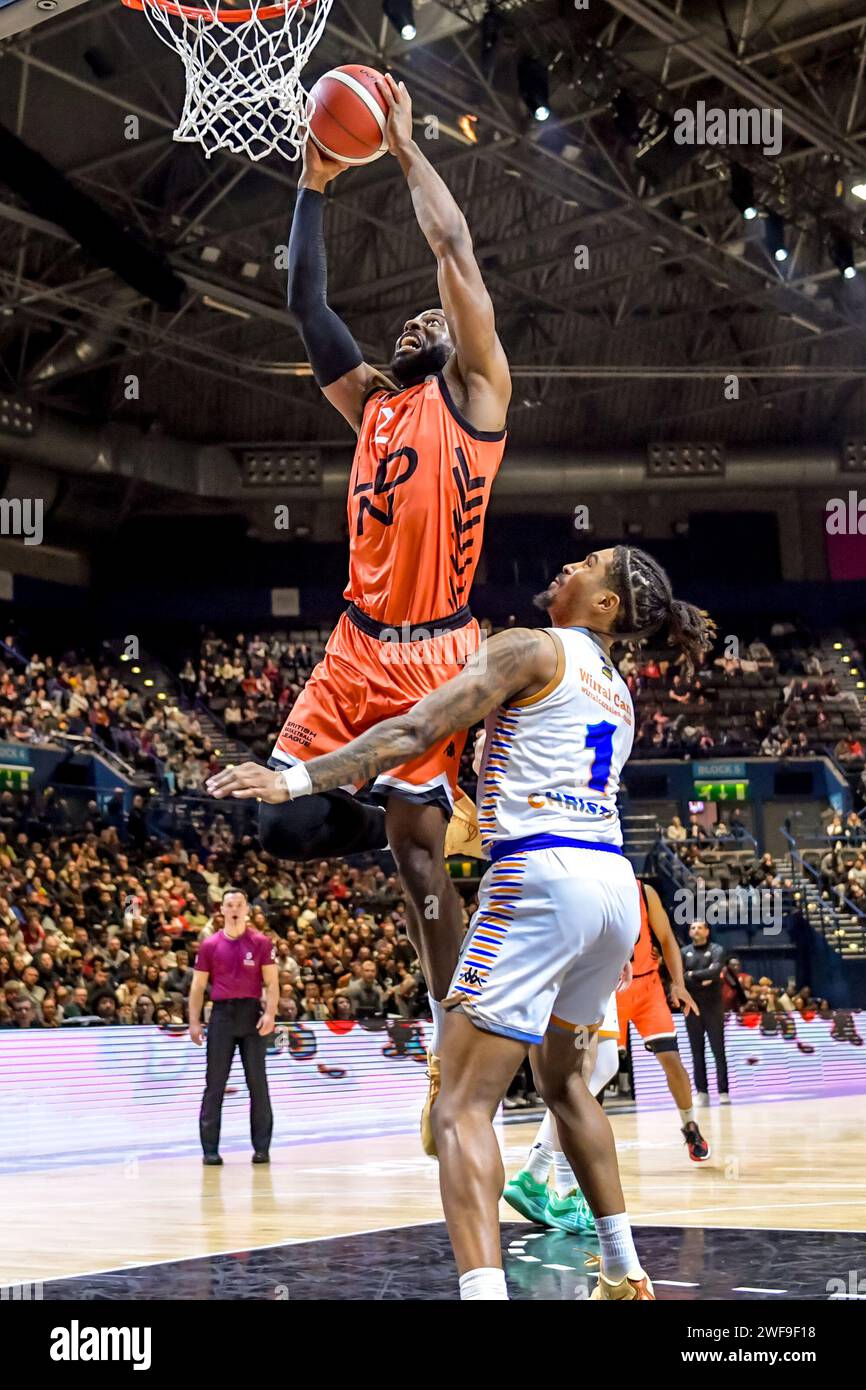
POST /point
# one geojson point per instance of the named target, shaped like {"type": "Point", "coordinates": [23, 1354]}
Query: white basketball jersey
{"type": "Point", "coordinates": [552, 763]}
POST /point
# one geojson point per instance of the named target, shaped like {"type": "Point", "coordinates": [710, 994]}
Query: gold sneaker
{"type": "Point", "coordinates": [626, 1289]}
{"type": "Point", "coordinates": [462, 835]}
{"type": "Point", "coordinates": [434, 1081]}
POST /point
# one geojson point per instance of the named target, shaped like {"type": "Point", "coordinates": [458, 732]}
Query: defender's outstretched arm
{"type": "Point", "coordinates": [508, 665]}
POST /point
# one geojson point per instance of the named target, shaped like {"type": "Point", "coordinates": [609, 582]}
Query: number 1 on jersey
{"type": "Point", "coordinates": [599, 737]}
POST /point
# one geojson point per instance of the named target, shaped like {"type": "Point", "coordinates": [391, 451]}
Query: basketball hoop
{"type": "Point", "coordinates": [243, 70]}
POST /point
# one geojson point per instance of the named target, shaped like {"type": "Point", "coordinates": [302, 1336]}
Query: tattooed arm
{"type": "Point", "coordinates": [510, 665]}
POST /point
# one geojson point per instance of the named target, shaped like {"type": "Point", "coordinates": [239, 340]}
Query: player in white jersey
{"type": "Point", "coordinates": [558, 909]}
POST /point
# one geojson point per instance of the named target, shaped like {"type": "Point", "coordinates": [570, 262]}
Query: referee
{"type": "Point", "coordinates": [239, 962]}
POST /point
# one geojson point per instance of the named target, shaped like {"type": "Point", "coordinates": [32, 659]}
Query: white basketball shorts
{"type": "Point", "coordinates": [553, 929]}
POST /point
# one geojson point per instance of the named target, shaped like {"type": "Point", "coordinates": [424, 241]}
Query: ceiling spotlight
{"type": "Point", "coordinates": [774, 234]}
{"type": "Point", "coordinates": [743, 192]}
{"type": "Point", "coordinates": [842, 253]}
{"type": "Point", "coordinates": [491, 26]}
{"type": "Point", "coordinates": [858, 188]}
{"type": "Point", "coordinates": [402, 16]}
{"type": "Point", "coordinates": [534, 86]}
{"type": "Point", "coordinates": [466, 126]}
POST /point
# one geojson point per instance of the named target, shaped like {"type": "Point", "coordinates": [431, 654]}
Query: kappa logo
{"type": "Point", "coordinates": [470, 976]}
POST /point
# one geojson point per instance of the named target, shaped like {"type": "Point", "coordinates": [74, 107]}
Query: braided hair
{"type": "Point", "coordinates": [648, 608]}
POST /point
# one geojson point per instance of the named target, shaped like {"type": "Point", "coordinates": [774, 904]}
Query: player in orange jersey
{"type": "Point", "coordinates": [431, 435]}
{"type": "Point", "coordinates": [644, 1003]}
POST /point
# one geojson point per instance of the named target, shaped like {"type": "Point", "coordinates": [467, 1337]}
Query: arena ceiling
{"type": "Point", "coordinates": [679, 288]}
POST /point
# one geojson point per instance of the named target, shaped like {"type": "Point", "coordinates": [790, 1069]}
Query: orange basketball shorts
{"type": "Point", "coordinates": [363, 679]}
{"type": "Point", "coordinates": [645, 1004]}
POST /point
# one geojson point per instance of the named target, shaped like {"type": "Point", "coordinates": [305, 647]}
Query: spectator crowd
{"type": "Point", "coordinates": [102, 924]}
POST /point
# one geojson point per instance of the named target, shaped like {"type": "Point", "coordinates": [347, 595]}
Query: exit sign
{"type": "Point", "coordinates": [721, 791]}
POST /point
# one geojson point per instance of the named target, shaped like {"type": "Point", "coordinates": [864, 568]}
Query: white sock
{"type": "Point", "coordinates": [618, 1255]}
{"type": "Point", "coordinates": [483, 1283]}
{"type": "Point", "coordinates": [436, 1031]}
{"type": "Point", "coordinates": [687, 1116]}
{"type": "Point", "coordinates": [562, 1174]}
{"type": "Point", "coordinates": [538, 1161]}
{"type": "Point", "coordinates": [540, 1156]}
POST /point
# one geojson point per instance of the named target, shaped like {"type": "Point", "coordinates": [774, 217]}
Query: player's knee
{"type": "Point", "coordinates": [416, 865]}
{"type": "Point", "coordinates": [445, 1119]}
{"type": "Point", "coordinates": [554, 1092]}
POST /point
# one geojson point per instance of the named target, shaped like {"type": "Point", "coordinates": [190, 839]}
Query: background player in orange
{"type": "Point", "coordinates": [645, 1004]}
{"type": "Point", "coordinates": [431, 435]}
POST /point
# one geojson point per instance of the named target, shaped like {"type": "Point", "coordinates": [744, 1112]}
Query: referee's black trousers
{"type": "Point", "coordinates": [233, 1024]}
{"type": "Point", "coordinates": [709, 1024]}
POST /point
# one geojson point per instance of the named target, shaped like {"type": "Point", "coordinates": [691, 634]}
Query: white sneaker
{"type": "Point", "coordinates": [724, 1098]}
{"type": "Point", "coordinates": [702, 1098]}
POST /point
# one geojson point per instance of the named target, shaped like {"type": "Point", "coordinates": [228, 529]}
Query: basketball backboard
{"type": "Point", "coordinates": [19, 15]}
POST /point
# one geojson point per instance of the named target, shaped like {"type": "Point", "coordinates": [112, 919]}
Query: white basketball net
{"type": "Point", "coordinates": [243, 79]}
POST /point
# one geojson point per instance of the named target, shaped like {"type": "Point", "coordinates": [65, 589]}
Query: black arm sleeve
{"type": "Point", "coordinates": [331, 349]}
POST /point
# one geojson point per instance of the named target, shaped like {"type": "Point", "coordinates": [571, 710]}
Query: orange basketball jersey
{"type": "Point", "coordinates": [418, 494]}
{"type": "Point", "coordinates": [645, 959]}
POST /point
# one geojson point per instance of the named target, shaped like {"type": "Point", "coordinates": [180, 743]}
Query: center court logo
{"type": "Point", "coordinates": [77, 1343]}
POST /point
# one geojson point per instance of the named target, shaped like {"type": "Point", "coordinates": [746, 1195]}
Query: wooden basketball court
{"type": "Point", "coordinates": [791, 1166]}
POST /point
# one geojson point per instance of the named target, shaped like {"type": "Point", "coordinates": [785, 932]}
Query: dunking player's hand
{"type": "Point", "coordinates": [318, 170]}
{"type": "Point", "coordinates": [398, 127]}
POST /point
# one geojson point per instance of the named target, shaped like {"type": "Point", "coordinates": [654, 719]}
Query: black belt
{"type": "Point", "coordinates": [407, 632]}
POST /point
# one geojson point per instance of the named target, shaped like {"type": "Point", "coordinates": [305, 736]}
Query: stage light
{"type": "Point", "coordinates": [842, 253]}
{"type": "Point", "coordinates": [402, 16]}
{"type": "Point", "coordinates": [466, 126]}
{"type": "Point", "coordinates": [859, 190]}
{"type": "Point", "coordinates": [136, 670]}
{"type": "Point", "coordinates": [837, 646]}
{"type": "Point", "coordinates": [491, 25]}
{"type": "Point", "coordinates": [534, 86]}
{"type": "Point", "coordinates": [148, 681]}
{"type": "Point", "coordinates": [743, 192]}
{"type": "Point", "coordinates": [774, 234]}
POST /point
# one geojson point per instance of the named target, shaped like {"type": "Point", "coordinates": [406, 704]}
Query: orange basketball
{"type": "Point", "coordinates": [348, 122]}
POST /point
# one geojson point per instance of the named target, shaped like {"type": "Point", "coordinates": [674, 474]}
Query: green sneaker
{"type": "Point", "coordinates": [526, 1195]}
{"type": "Point", "coordinates": [569, 1213]}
